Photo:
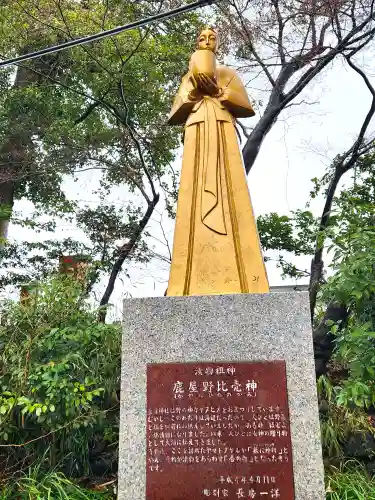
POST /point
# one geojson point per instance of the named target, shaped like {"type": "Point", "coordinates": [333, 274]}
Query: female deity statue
{"type": "Point", "coordinates": [216, 247]}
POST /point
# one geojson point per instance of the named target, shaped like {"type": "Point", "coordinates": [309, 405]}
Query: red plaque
{"type": "Point", "coordinates": [218, 430]}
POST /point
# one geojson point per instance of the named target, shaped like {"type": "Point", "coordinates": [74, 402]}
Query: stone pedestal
{"type": "Point", "coordinates": [221, 329]}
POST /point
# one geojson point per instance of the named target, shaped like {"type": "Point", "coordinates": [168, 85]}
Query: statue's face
{"type": "Point", "coordinates": [207, 40]}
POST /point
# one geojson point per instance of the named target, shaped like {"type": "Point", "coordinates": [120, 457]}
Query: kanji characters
{"type": "Point", "coordinates": [178, 389]}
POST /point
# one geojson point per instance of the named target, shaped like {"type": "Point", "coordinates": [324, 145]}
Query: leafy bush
{"type": "Point", "coordinates": [49, 486]}
{"type": "Point", "coordinates": [351, 482]}
{"type": "Point", "coordinates": [353, 285]}
{"type": "Point", "coordinates": [59, 379]}
{"type": "Point", "coordinates": [337, 421]}
{"type": "Point", "coordinates": [356, 350]}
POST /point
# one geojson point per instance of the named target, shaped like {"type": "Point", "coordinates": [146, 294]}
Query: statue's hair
{"type": "Point", "coordinates": [210, 28]}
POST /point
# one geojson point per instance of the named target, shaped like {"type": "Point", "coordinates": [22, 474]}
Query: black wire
{"type": "Point", "coordinates": [105, 34]}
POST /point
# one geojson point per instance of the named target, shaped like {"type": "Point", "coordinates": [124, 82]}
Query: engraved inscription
{"type": "Point", "coordinates": [218, 430]}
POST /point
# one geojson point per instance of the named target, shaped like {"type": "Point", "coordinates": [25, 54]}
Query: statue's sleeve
{"type": "Point", "coordinates": [182, 105]}
{"type": "Point", "coordinates": [235, 97]}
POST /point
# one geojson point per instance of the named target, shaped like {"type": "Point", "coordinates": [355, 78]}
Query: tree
{"type": "Point", "coordinates": [279, 230]}
{"type": "Point", "coordinates": [346, 234]}
{"type": "Point", "coordinates": [285, 45]}
{"type": "Point", "coordinates": [104, 108]}
{"type": "Point", "coordinates": [59, 384]}
{"type": "Point", "coordinates": [341, 165]}
{"type": "Point", "coordinates": [352, 284]}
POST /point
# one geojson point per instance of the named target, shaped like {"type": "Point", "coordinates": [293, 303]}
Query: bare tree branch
{"type": "Point", "coordinates": [249, 41]}
{"type": "Point", "coordinates": [126, 174]}
{"type": "Point", "coordinates": [245, 130]}
{"type": "Point", "coordinates": [123, 253]}
{"type": "Point", "coordinates": [135, 140]}
{"type": "Point", "coordinates": [280, 23]}
{"type": "Point", "coordinates": [343, 164]}
{"type": "Point", "coordinates": [301, 31]}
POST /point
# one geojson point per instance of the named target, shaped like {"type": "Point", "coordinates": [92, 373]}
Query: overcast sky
{"type": "Point", "coordinates": [300, 146]}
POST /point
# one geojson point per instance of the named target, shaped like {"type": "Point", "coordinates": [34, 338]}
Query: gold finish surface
{"type": "Point", "coordinates": [216, 247]}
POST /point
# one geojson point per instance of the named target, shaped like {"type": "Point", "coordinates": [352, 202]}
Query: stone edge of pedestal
{"type": "Point", "coordinates": [234, 328]}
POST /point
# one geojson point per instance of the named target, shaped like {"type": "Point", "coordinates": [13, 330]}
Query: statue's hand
{"type": "Point", "coordinates": [208, 85]}
{"type": "Point", "coordinates": [194, 93]}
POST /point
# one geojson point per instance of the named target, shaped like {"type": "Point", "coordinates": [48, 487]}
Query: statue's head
{"type": "Point", "coordinates": [208, 39]}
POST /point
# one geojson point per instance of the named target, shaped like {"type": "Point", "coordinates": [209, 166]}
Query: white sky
{"type": "Point", "coordinates": [299, 147]}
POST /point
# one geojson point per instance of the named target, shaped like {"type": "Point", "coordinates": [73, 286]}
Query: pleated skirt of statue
{"type": "Point", "coordinates": [216, 246]}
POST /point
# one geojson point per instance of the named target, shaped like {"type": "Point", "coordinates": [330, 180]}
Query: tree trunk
{"type": "Point", "coordinates": [251, 149]}
{"type": "Point", "coordinates": [6, 207]}
{"type": "Point", "coordinates": [323, 338]}
{"type": "Point", "coordinates": [123, 254]}
{"type": "Point", "coordinates": [12, 152]}
{"type": "Point", "coordinates": [276, 103]}
{"type": "Point", "coordinates": [317, 264]}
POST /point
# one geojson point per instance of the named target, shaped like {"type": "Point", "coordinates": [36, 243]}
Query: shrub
{"type": "Point", "coordinates": [337, 421]}
{"type": "Point", "coordinates": [49, 486]}
{"type": "Point", "coordinates": [59, 378]}
{"type": "Point", "coordinates": [350, 482]}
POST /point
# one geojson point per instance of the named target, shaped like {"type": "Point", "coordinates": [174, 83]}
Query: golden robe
{"type": "Point", "coordinates": [216, 247]}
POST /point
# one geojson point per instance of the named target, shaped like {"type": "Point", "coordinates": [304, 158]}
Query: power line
{"type": "Point", "coordinates": [104, 34]}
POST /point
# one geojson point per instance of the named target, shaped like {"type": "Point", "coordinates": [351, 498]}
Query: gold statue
{"type": "Point", "coordinates": [216, 247]}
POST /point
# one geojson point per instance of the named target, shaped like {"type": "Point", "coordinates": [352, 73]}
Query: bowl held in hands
{"type": "Point", "coordinates": [203, 61]}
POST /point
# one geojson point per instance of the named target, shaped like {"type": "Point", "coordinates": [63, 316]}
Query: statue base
{"type": "Point", "coordinates": [166, 337]}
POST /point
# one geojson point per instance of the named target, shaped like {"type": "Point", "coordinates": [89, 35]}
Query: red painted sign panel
{"type": "Point", "coordinates": [218, 431]}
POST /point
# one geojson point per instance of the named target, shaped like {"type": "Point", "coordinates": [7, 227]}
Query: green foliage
{"type": "Point", "coordinates": [337, 421]}
{"type": "Point", "coordinates": [352, 284]}
{"type": "Point", "coordinates": [59, 378]}
{"type": "Point", "coordinates": [352, 212]}
{"type": "Point", "coordinates": [31, 261]}
{"type": "Point", "coordinates": [292, 234]}
{"type": "Point", "coordinates": [276, 232]}
{"type": "Point", "coordinates": [101, 107]}
{"type": "Point", "coordinates": [355, 349]}
{"type": "Point", "coordinates": [353, 258]}
{"type": "Point", "coordinates": [53, 485]}
{"type": "Point", "coordinates": [78, 105]}
{"type": "Point", "coordinates": [350, 482]}
{"type": "Point", "coordinates": [107, 225]}
{"type": "Point", "coordinates": [105, 228]}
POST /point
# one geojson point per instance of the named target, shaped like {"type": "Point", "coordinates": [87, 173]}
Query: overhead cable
{"type": "Point", "coordinates": [104, 34]}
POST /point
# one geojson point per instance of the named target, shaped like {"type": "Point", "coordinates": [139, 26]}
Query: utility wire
{"type": "Point", "coordinates": [104, 34]}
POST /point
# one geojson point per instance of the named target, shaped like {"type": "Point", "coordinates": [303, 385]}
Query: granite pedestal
{"type": "Point", "coordinates": [224, 328]}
